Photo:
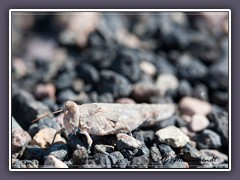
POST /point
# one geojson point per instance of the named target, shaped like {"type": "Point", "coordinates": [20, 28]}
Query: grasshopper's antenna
{"type": "Point", "coordinates": [46, 115]}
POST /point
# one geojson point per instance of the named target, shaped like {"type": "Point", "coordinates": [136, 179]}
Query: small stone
{"type": "Point", "coordinates": [34, 152]}
{"type": "Point", "coordinates": [48, 123]}
{"type": "Point", "coordinates": [88, 73]}
{"type": "Point", "coordinates": [125, 101]}
{"type": "Point", "coordinates": [45, 136]}
{"type": "Point", "coordinates": [19, 68]}
{"type": "Point", "coordinates": [142, 92]}
{"type": "Point", "coordinates": [208, 139]}
{"type": "Point", "coordinates": [20, 139]}
{"type": "Point", "coordinates": [139, 162]}
{"type": "Point", "coordinates": [143, 151]}
{"type": "Point", "coordinates": [129, 154]}
{"type": "Point", "coordinates": [166, 82]}
{"type": "Point", "coordinates": [45, 90]}
{"type": "Point", "coordinates": [172, 136]}
{"type": "Point", "coordinates": [191, 106]}
{"type": "Point", "coordinates": [102, 160]}
{"type": "Point", "coordinates": [60, 151]}
{"type": "Point", "coordinates": [198, 123]}
{"type": "Point", "coordinates": [163, 65]}
{"type": "Point", "coordinates": [78, 85]}
{"type": "Point", "coordinates": [118, 160]}
{"type": "Point", "coordinates": [201, 92]}
{"type": "Point", "coordinates": [25, 164]}
{"type": "Point", "coordinates": [166, 151]}
{"type": "Point", "coordinates": [148, 68]}
{"type": "Point", "coordinates": [175, 163]}
{"type": "Point", "coordinates": [191, 68]}
{"type": "Point", "coordinates": [155, 158]}
{"type": "Point", "coordinates": [33, 129]}
{"type": "Point", "coordinates": [113, 83]}
{"type": "Point", "coordinates": [127, 64]}
{"type": "Point", "coordinates": [105, 149]}
{"type": "Point", "coordinates": [15, 125]}
{"type": "Point", "coordinates": [220, 119]}
{"type": "Point", "coordinates": [144, 136]}
{"type": "Point", "coordinates": [66, 95]}
{"type": "Point", "coordinates": [127, 142]}
{"type": "Point", "coordinates": [52, 162]}
{"type": "Point", "coordinates": [26, 109]}
{"type": "Point", "coordinates": [51, 104]}
{"type": "Point", "coordinates": [213, 156]}
{"type": "Point", "coordinates": [191, 155]}
{"type": "Point", "coordinates": [220, 98]}
{"type": "Point", "coordinates": [80, 156]}
{"type": "Point", "coordinates": [184, 89]}
{"type": "Point", "coordinates": [64, 81]}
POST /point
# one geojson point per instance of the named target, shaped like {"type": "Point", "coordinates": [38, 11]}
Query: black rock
{"type": "Point", "coordinates": [191, 155]}
{"type": "Point", "coordinates": [60, 151]}
{"type": "Point", "coordinates": [113, 83]}
{"type": "Point", "coordinates": [80, 156]}
{"type": "Point", "coordinates": [25, 164]}
{"type": "Point", "coordinates": [48, 122]}
{"type": "Point", "coordinates": [218, 75]}
{"type": "Point", "coordinates": [75, 141]}
{"type": "Point", "coordinates": [139, 162]}
{"type": "Point", "coordinates": [200, 91]}
{"type": "Point", "coordinates": [129, 154]}
{"type": "Point", "coordinates": [143, 151]}
{"type": "Point", "coordinates": [220, 98]}
{"type": "Point", "coordinates": [51, 104]}
{"type": "Point", "coordinates": [191, 68]}
{"type": "Point", "coordinates": [33, 129]}
{"type": "Point", "coordinates": [25, 109]}
{"type": "Point", "coordinates": [184, 89]}
{"type": "Point", "coordinates": [127, 64]}
{"type": "Point", "coordinates": [106, 98]}
{"type": "Point", "coordinates": [166, 151]}
{"type": "Point", "coordinates": [220, 118]}
{"type": "Point", "coordinates": [163, 65]}
{"type": "Point", "coordinates": [167, 122]}
{"type": "Point", "coordinates": [102, 160]}
{"type": "Point", "coordinates": [34, 152]}
{"type": "Point", "coordinates": [66, 95]}
{"type": "Point", "coordinates": [88, 73]}
{"type": "Point", "coordinates": [118, 160]}
{"type": "Point", "coordinates": [146, 136]}
{"type": "Point", "coordinates": [208, 139]}
{"type": "Point", "coordinates": [64, 81]}
{"type": "Point", "coordinates": [155, 158]}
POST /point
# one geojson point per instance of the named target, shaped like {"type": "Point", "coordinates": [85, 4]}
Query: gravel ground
{"type": "Point", "coordinates": [156, 58]}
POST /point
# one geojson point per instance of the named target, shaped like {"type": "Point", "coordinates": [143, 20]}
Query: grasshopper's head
{"type": "Point", "coordinates": [71, 116]}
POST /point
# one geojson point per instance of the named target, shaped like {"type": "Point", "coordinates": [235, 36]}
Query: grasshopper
{"type": "Point", "coordinates": [110, 118]}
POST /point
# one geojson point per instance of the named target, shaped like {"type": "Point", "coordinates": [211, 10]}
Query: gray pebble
{"type": "Point", "coordinates": [139, 162]}
{"type": "Point", "coordinates": [60, 151]}
{"type": "Point", "coordinates": [25, 164]}
{"type": "Point", "coordinates": [208, 139]}
{"type": "Point", "coordinates": [80, 156]}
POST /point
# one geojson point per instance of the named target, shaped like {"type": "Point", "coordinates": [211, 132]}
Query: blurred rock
{"type": "Point", "coordinates": [198, 122]}
{"type": "Point", "coordinates": [20, 139]}
{"type": "Point", "coordinates": [208, 139]}
{"type": "Point", "coordinates": [148, 68]}
{"type": "Point", "coordinates": [105, 149]}
{"type": "Point", "coordinates": [45, 90]}
{"type": "Point", "coordinates": [60, 151]}
{"type": "Point", "coordinates": [191, 106]}
{"type": "Point", "coordinates": [139, 162]}
{"type": "Point", "coordinates": [80, 156]}
{"type": "Point", "coordinates": [166, 82]}
{"type": "Point", "coordinates": [113, 83]}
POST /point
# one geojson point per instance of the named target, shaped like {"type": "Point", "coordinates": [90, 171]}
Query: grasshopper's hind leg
{"type": "Point", "coordinates": [89, 139]}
